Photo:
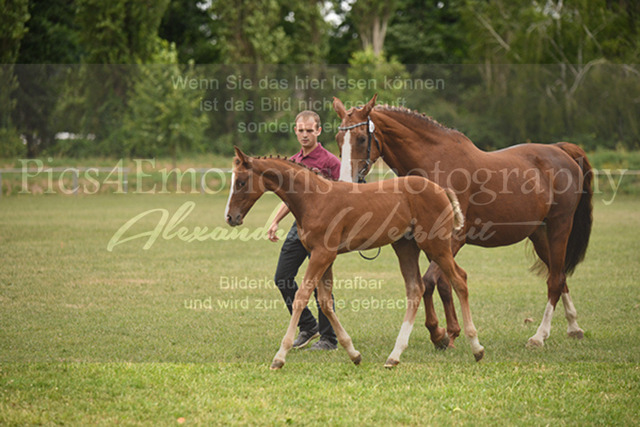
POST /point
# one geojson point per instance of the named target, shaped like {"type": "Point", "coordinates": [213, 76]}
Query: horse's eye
{"type": "Point", "coordinates": [361, 139]}
{"type": "Point", "coordinates": [240, 184]}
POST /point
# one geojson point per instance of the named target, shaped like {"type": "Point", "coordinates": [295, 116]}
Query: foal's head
{"type": "Point", "coordinates": [246, 189]}
{"type": "Point", "coordinates": [359, 148]}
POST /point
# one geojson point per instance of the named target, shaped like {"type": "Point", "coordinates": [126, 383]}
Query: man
{"type": "Point", "coordinates": [293, 253]}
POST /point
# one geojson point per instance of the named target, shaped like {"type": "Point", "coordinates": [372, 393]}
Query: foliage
{"type": "Point", "coordinates": [544, 103]}
{"type": "Point", "coordinates": [11, 144]}
{"type": "Point", "coordinates": [373, 21]}
{"type": "Point", "coordinates": [120, 31]}
{"type": "Point", "coordinates": [189, 26]}
{"type": "Point", "coordinates": [251, 33]}
{"type": "Point", "coordinates": [9, 84]}
{"type": "Point", "coordinates": [114, 32]}
{"type": "Point", "coordinates": [35, 101]}
{"type": "Point", "coordinates": [367, 66]}
{"type": "Point", "coordinates": [343, 36]}
{"type": "Point", "coordinates": [427, 32]}
{"type": "Point", "coordinates": [52, 38]}
{"type": "Point", "coordinates": [52, 34]}
{"type": "Point", "coordinates": [532, 70]}
{"type": "Point", "coordinates": [306, 31]}
{"type": "Point", "coordinates": [13, 16]}
{"type": "Point", "coordinates": [163, 118]}
{"type": "Point", "coordinates": [527, 32]}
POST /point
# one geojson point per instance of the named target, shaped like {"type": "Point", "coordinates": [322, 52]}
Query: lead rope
{"type": "Point", "coordinates": [370, 258]}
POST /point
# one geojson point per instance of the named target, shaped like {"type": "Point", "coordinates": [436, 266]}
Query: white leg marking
{"type": "Point", "coordinates": [233, 185]}
{"type": "Point", "coordinates": [544, 329]}
{"type": "Point", "coordinates": [571, 314]}
{"type": "Point", "coordinates": [402, 342]}
{"type": "Point", "coordinates": [345, 161]}
{"type": "Point", "coordinates": [476, 347]}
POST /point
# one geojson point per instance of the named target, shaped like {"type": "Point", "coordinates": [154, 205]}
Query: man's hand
{"type": "Point", "coordinates": [271, 233]}
{"type": "Point", "coordinates": [282, 212]}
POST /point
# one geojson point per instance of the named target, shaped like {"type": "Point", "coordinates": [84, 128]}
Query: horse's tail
{"type": "Point", "coordinates": [583, 216]}
{"type": "Point", "coordinates": [458, 217]}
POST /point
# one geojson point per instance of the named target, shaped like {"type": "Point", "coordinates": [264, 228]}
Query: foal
{"type": "Point", "coordinates": [410, 213]}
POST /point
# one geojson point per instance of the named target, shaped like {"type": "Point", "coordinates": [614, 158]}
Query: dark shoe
{"type": "Point", "coordinates": [305, 337]}
{"type": "Point", "coordinates": [323, 344]}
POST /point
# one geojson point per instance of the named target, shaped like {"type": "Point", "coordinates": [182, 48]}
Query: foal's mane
{"type": "Point", "coordinates": [289, 161]}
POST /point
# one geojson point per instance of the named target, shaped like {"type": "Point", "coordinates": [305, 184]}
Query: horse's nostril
{"type": "Point", "coordinates": [234, 220]}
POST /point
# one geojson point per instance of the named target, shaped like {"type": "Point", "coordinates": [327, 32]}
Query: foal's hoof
{"type": "Point", "coordinates": [444, 343]}
{"type": "Point", "coordinates": [535, 343]}
{"type": "Point", "coordinates": [578, 334]}
{"type": "Point", "coordinates": [479, 355]}
{"type": "Point", "coordinates": [356, 360]}
{"type": "Point", "coordinates": [276, 364]}
{"type": "Point", "coordinates": [391, 363]}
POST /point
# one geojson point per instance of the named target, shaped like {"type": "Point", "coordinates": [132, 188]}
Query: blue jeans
{"type": "Point", "coordinates": [292, 255]}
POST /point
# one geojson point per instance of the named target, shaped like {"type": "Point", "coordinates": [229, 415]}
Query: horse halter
{"type": "Point", "coordinates": [371, 128]}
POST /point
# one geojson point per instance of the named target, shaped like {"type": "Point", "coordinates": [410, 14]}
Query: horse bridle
{"type": "Point", "coordinates": [371, 128]}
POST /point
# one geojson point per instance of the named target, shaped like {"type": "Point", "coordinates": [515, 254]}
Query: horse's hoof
{"type": "Point", "coordinates": [276, 364]}
{"type": "Point", "coordinates": [578, 334]}
{"type": "Point", "coordinates": [391, 363]}
{"type": "Point", "coordinates": [443, 344]}
{"type": "Point", "coordinates": [535, 343]}
{"type": "Point", "coordinates": [479, 355]}
{"type": "Point", "coordinates": [356, 360]}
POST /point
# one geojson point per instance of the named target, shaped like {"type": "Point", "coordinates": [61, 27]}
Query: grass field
{"type": "Point", "coordinates": [184, 331]}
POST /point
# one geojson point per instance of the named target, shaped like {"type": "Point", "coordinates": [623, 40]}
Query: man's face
{"type": "Point", "coordinates": [307, 132]}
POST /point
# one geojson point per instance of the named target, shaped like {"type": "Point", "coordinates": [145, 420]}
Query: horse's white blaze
{"type": "Point", "coordinates": [233, 186]}
{"type": "Point", "coordinates": [345, 165]}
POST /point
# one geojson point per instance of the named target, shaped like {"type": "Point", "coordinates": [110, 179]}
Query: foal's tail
{"type": "Point", "coordinates": [458, 217]}
{"type": "Point", "coordinates": [582, 218]}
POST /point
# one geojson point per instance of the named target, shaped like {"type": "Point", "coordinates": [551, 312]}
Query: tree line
{"type": "Point", "coordinates": [164, 78]}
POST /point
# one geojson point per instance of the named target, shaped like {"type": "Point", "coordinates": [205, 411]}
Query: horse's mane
{"type": "Point", "coordinates": [292, 162]}
{"type": "Point", "coordinates": [412, 115]}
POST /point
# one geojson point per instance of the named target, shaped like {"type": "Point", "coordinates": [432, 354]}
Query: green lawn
{"type": "Point", "coordinates": [187, 329]}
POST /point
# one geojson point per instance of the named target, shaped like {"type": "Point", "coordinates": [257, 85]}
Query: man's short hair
{"type": "Point", "coordinates": [304, 115]}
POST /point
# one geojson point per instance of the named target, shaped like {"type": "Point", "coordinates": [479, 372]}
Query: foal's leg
{"type": "Point", "coordinates": [318, 264]}
{"type": "Point", "coordinates": [326, 305]}
{"type": "Point", "coordinates": [452, 272]}
{"type": "Point", "coordinates": [432, 278]}
{"type": "Point", "coordinates": [440, 338]}
{"type": "Point", "coordinates": [408, 255]}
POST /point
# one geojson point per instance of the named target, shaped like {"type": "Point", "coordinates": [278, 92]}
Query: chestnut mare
{"type": "Point", "coordinates": [535, 191]}
{"type": "Point", "coordinates": [410, 213]}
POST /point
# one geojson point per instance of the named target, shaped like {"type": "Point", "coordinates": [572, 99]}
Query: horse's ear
{"type": "Point", "coordinates": [242, 159]}
{"type": "Point", "coordinates": [369, 106]}
{"type": "Point", "coordinates": [339, 107]}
